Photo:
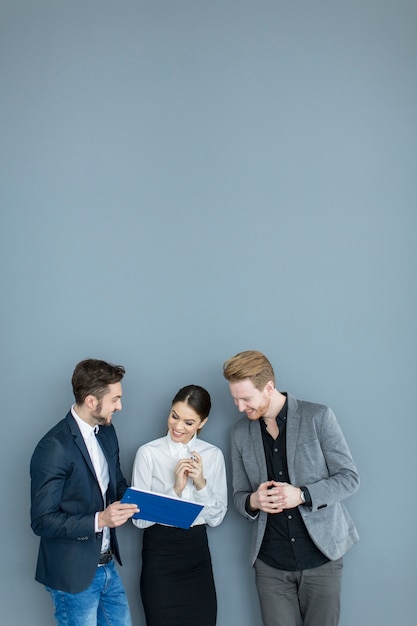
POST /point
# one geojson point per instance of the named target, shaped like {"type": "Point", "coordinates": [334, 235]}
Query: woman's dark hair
{"type": "Point", "coordinates": [197, 398]}
{"type": "Point", "coordinates": [93, 377]}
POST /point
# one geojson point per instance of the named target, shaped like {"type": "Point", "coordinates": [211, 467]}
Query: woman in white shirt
{"type": "Point", "coordinates": [177, 585]}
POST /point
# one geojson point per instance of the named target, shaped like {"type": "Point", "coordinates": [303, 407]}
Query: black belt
{"type": "Point", "coordinates": [105, 557]}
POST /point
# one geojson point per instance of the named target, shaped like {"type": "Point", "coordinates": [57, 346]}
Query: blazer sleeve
{"type": "Point", "coordinates": [64, 494]}
{"type": "Point", "coordinates": [324, 463]}
{"type": "Point", "coordinates": [248, 465]}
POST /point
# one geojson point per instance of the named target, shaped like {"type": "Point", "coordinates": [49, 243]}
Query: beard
{"type": "Point", "coordinates": [101, 421]}
{"type": "Point", "coordinates": [259, 411]}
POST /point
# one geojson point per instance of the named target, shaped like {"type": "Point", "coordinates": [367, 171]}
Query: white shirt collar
{"type": "Point", "coordinates": [181, 450]}
{"type": "Point", "coordinates": [85, 428]}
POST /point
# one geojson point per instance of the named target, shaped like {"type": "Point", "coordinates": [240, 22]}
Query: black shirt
{"type": "Point", "coordinates": [286, 544]}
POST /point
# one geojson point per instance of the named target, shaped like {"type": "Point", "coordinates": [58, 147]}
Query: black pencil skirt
{"type": "Point", "coordinates": [176, 584]}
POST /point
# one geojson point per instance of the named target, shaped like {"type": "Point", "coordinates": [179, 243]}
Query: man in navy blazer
{"type": "Point", "coordinates": [291, 470]}
{"type": "Point", "coordinates": [76, 485]}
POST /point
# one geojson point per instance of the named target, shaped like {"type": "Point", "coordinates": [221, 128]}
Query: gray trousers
{"type": "Point", "coordinates": [304, 598]}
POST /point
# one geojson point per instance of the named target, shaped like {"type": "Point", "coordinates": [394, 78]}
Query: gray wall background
{"type": "Point", "coordinates": [183, 180]}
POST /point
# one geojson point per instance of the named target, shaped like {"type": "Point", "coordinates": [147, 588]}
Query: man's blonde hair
{"type": "Point", "coordinates": [252, 365]}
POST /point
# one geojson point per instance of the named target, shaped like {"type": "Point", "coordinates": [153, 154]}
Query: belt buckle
{"type": "Point", "coordinates": [105, 557]}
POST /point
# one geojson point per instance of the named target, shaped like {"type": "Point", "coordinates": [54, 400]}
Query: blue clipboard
{"type": "Point", "coordinates": [161, 509]}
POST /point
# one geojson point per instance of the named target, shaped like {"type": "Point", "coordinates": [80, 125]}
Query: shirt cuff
{"type": "Point", "coordinates": [204, 494]}
{"type": "Point", "coordinates": [307, 496]}
{"type": "Point", "coordinates": [248, 509]}
{"type": "Point", "coordinates": [97, 529]}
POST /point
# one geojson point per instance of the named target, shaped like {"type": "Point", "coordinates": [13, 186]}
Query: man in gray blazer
{"type": "Point", "coordinates": [292, 469]}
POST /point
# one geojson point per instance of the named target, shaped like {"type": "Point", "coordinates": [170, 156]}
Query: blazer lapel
{"type": "Point", "coordinates": [104, 444]}
{"type": "Point", "coordinates": [258, 446]}
{"type": "Point", "coordinates": [80, 443]}
{"type": "Point", "coordinates": [293, 426]}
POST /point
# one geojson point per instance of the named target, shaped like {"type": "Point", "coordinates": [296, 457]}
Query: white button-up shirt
{"type": "Point", "coordinates": [154, 470]}
{"type": "Point", "coordinates": [101, 468]}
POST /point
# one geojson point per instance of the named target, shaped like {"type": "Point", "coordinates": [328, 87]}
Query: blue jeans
{"type": "Point", "coordinates": [103, 603]}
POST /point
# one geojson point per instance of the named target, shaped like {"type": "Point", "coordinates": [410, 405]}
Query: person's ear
{"type": "Point", "coordinates": [269, 387]}
{"type": "Point", "coordinates": [90, 402]}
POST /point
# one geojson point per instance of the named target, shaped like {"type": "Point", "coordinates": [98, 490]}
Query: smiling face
{"type": "Point", "coordinates": [183, 422]}
{"type": "Point", "coordinates": [101, 411]}
{"type": "Point", "coordinates": [250, 400]}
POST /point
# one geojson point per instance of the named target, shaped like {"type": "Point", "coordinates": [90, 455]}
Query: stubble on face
{"type": "Point", "coordinates": [259, 410]}
{"type": "Point", "coordinates": [250, 400]}
{"type": "Point", "coordinates": [100, 419]}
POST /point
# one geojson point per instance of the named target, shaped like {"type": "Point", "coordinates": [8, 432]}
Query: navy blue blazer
{"type": "Point", "coordinates": [65, 497]}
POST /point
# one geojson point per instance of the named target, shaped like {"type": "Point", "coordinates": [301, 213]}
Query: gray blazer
{"type": "Point", "coordinates": [318, 458]}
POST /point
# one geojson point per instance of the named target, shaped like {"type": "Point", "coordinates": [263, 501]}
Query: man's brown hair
{"type": "Point", "coordinates": [93, 377]}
